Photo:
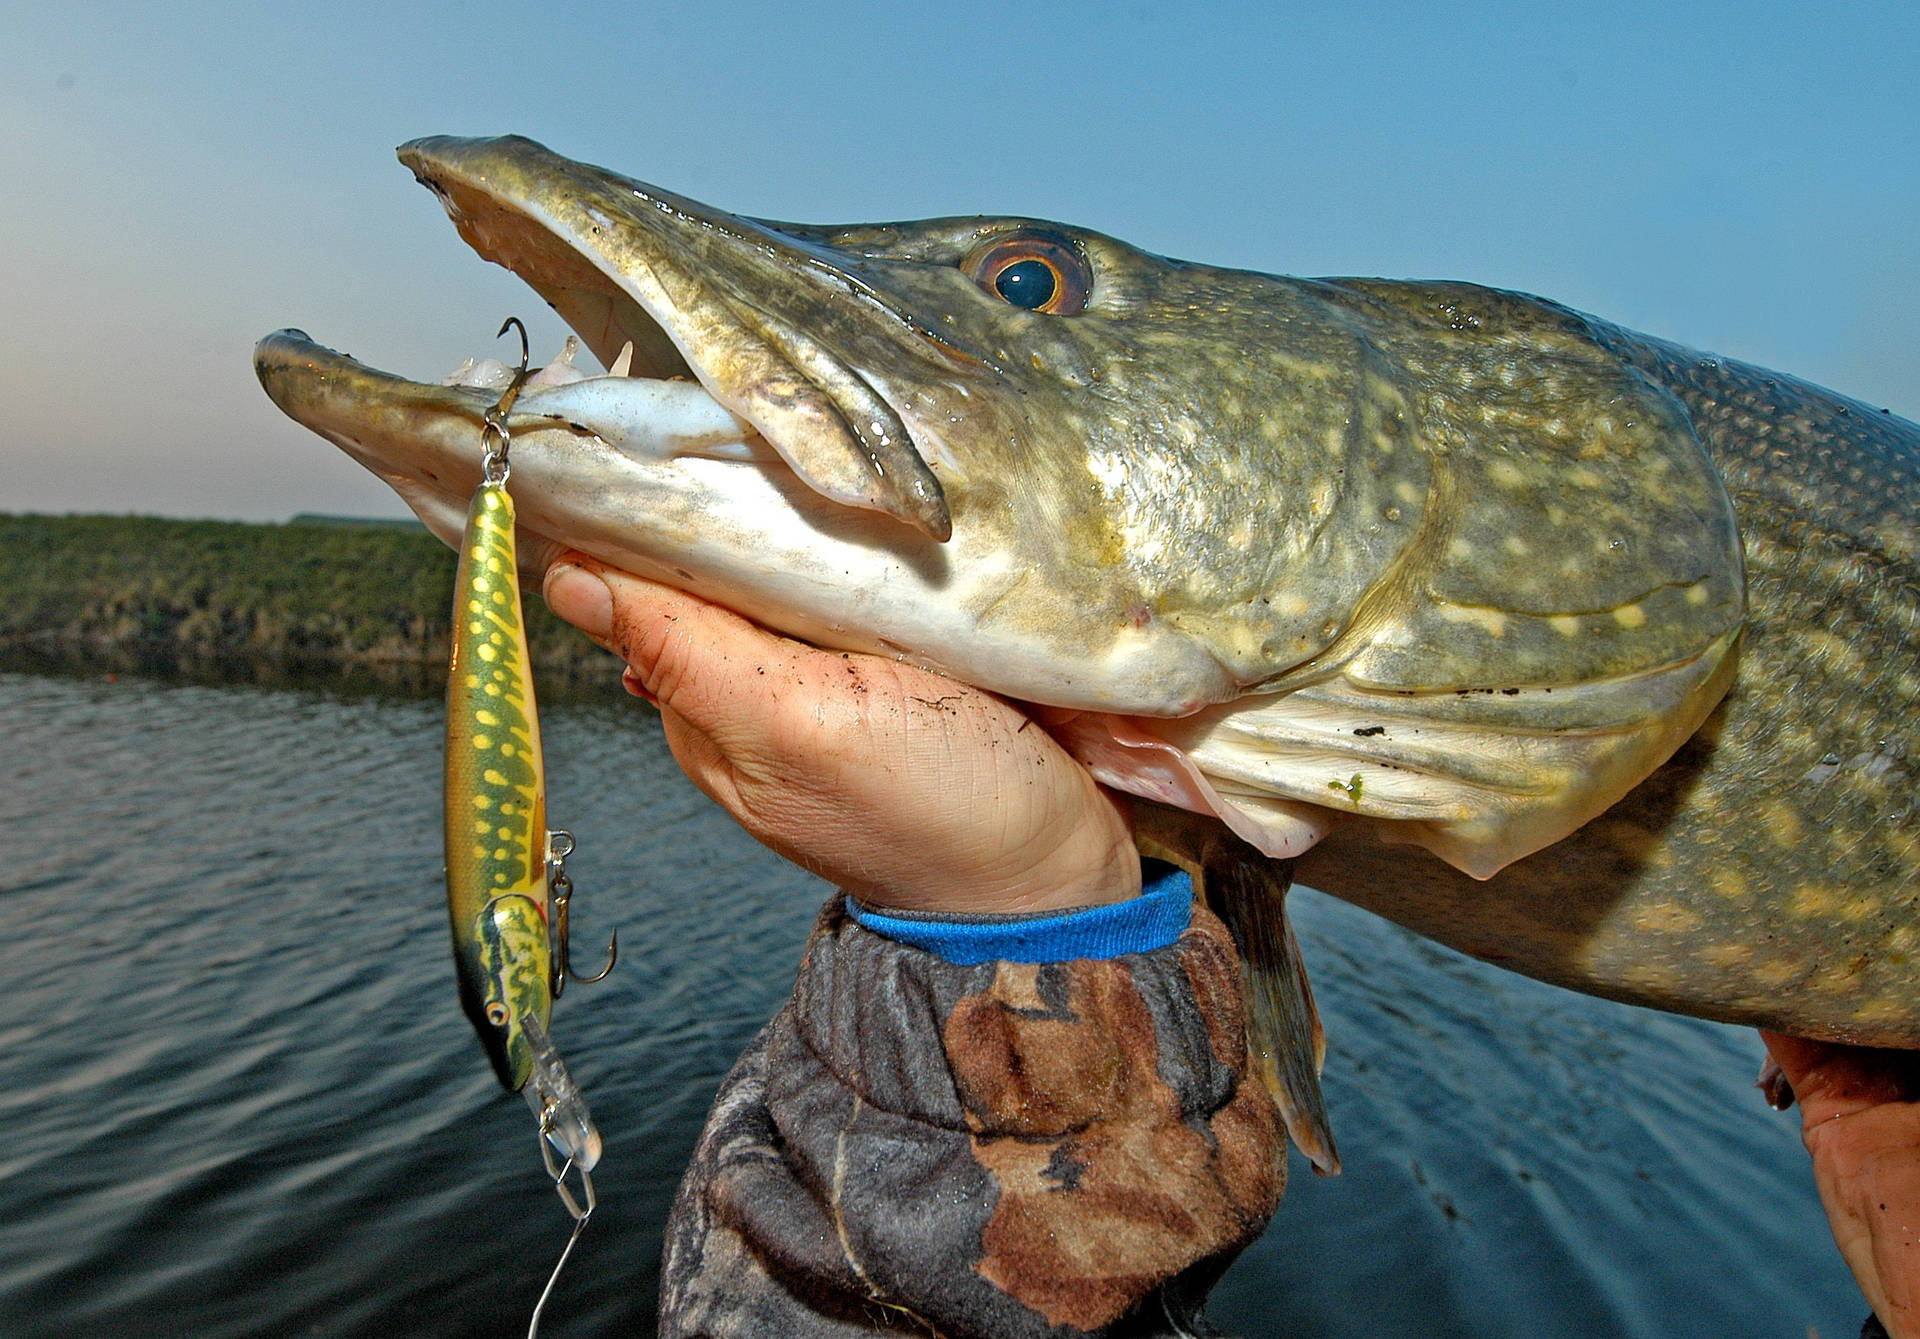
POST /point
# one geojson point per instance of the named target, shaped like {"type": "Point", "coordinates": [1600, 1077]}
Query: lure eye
{"type": "Point", "coordinates": [1035, 271]}
{"type": "Point", "coordinates": [497, 1014]}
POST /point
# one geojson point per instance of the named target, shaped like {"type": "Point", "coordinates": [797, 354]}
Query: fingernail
{"type": "Point", "coordinates": [582, 599]}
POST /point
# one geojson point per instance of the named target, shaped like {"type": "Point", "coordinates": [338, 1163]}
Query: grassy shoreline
{"type": "Point", "coordinates": [227, 601]}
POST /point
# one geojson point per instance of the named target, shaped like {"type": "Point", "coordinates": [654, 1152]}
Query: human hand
{"type": "Point", "coordinates": [1860, 1119]}
{"type": "Point", "coordinates": [908, 790]}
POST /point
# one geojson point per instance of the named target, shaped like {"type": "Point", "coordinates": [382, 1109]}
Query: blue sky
{"type": "Point", "coordinates": [177, 180]}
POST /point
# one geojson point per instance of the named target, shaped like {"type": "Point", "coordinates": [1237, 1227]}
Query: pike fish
{"type": "Point", "coordinates": [1568, 647]}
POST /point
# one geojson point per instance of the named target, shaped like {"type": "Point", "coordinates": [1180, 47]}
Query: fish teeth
{"type": "Point", "coordinates": [490, 374]}
{"type": "Point", "coordinates": [487, 374]}
{"type": "Point", "coordinates": [561, 371]}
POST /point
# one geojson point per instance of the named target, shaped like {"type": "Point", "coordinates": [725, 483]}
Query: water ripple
{"type": "Point", "coordinates": [240, 1099]}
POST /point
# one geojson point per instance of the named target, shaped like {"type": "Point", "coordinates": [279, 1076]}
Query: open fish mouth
{"type": "Point", "coordinates": [694, 367]}
{"type": "Point", "coordinates": [630, 268]}
{"type": "Point", "coordinates": [776, 429]}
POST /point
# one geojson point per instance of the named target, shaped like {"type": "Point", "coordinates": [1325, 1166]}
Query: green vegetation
{"type": "Point", "coordinates": [143, 593]}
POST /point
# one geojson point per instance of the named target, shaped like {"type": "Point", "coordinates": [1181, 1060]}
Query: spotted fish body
{"type": "Point", "coordinates": [1772, 865]}
{"type": "Point", "coordinates": [497, 893]}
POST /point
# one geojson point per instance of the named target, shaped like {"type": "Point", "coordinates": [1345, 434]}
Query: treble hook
{"type": "Point", "coordinates": [559, 847]}
{"type": "Point", "coordinates": [520, 376]}
{"type": "Point", "coordinates": [493, 436]}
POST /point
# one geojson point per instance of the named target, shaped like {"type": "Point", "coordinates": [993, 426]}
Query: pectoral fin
{"type": "Point", "coordinates": [1248, 892]}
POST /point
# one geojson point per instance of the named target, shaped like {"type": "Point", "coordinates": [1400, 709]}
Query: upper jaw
{"type": "Point", "coordinates": [747, 310]}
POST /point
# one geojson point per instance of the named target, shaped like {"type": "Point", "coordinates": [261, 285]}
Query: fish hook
{"type": "Point", "coordinates": [559, 847]}
{"type": "Point", "coordinates": [493, 435]}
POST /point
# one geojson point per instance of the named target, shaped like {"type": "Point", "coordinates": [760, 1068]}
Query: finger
{"type": "Point", "coordinates": [663, 634]}
{"type": "Point", "coordinates": [684, 655]}
{"type": "Point", "coordinates": [765, 725]}
{"type": "Point", "coordinates": [1832, 1080]}
{"type": "Point", "coordinates": [700, 660]}
{"type": "Point", "coordinates": [1795, 1055]}
{"type": "Point", "coordinates": [857, 767]}
{"type": "Point", "coordinates": [640, 620]}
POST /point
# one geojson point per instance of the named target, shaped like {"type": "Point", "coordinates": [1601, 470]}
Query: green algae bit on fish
{"type": "Point", "coordinates": [1565, 646]}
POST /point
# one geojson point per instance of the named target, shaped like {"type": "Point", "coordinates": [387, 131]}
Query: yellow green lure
{"type": "Point", "coordinates": [498, 894]}
{"type": "Point", "coordinates": [507, 887]}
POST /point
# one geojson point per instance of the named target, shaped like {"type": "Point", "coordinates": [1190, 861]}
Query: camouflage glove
{"type": "Point", "coordinates": [992, 1149]}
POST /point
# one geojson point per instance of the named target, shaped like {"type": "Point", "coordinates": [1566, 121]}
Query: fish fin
{"type": "Point", "coordinates": [1285, 1042]}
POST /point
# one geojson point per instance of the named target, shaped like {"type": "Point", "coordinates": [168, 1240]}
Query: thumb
{"type": "Point", "coordinates": [679, 649]}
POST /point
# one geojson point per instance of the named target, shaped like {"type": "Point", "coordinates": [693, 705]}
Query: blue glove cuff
{"type": "Point", "coordinates": [1152, 920]}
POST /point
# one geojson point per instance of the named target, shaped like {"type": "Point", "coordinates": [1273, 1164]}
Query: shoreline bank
{"type": "Point", "coordinates": [317, 602]}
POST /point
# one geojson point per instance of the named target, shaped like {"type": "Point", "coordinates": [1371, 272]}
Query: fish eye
{"type": "Point", "coordinates": [1028, 283]}
{"type": "Point", "coordinates": [497, 1014]}
{"type": "Point", "coordinates": [1034, 271]}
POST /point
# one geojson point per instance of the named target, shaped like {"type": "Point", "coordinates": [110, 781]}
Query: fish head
{"type": "Point", "coordinates": [1084, 497]}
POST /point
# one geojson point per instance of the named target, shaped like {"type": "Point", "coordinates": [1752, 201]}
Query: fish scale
{"type": "Point", "coordinates": [1772, 866]}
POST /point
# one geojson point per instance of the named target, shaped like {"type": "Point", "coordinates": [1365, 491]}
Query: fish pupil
{"type": "Point", "coordinates": [1027, 283]}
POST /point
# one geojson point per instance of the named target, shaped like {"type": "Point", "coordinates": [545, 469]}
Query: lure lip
{"type": "Point", "coordinates": [557, 1102]}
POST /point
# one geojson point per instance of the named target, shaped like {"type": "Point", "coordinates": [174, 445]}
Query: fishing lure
{"type": "Point", "coordinates": [507, 886]}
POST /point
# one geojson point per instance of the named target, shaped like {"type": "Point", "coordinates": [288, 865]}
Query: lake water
{"type": "Point", "coordinates": [238, 1098]}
